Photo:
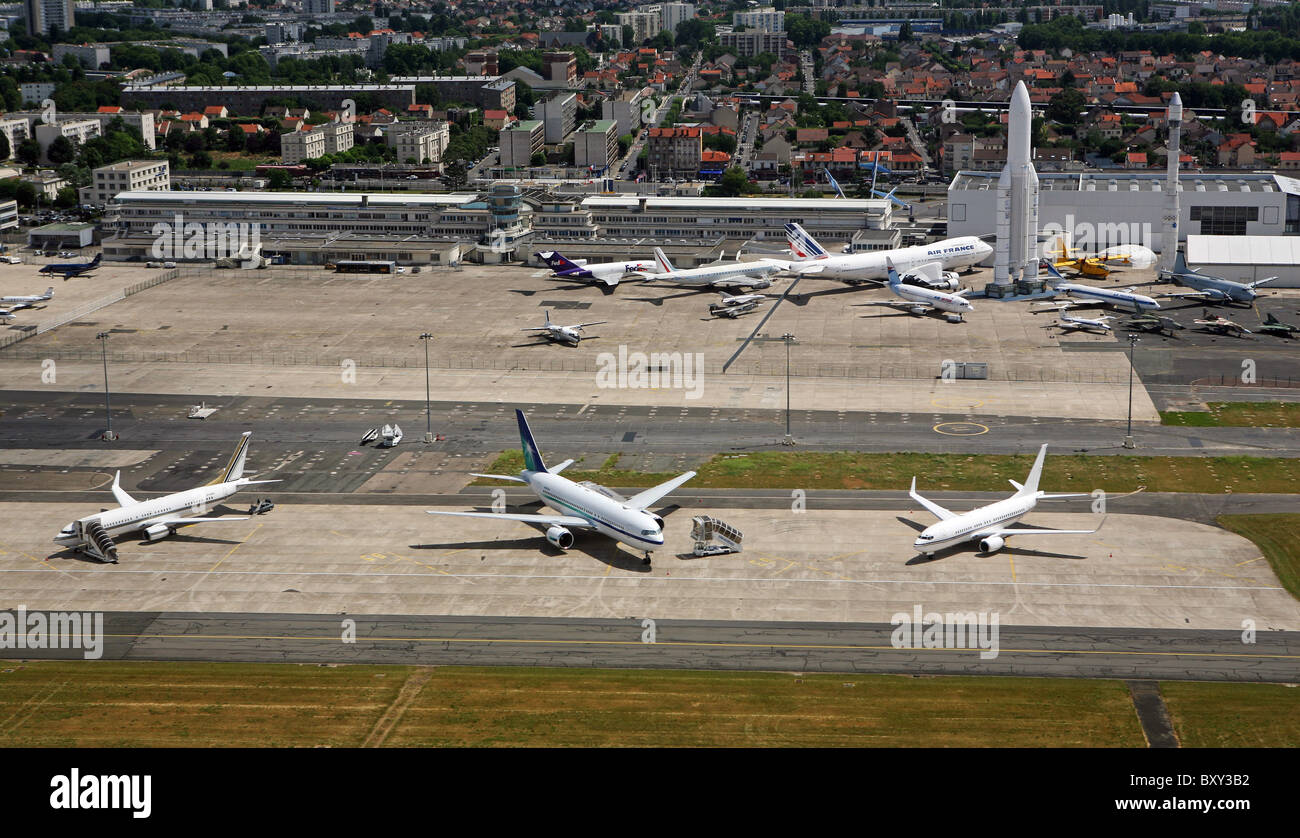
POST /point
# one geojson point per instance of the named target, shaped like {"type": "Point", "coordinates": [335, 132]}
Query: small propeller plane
{"type": "Point", "coordinates": [568, 335]}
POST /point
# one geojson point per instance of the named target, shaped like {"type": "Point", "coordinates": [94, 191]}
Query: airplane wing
{"type": "Point", "coordinates": [556, 469]}
{"type": "Point", "coordinates": [1184, 294]}
{"type": "Point", "coordinates": [650, 496]}
{"type": "Point", "coordinates": [592, 323]}
{"type": "Point", "coordinates": [184, 522]}
{"type": "Point", "coordinates": [939, 512]}
{"type": "Point", "coordinates": [1005, 532]}
{"type": "Point", "coordinates": [499, 477]}
{"type": "Point", "coordinates": [557, 520]}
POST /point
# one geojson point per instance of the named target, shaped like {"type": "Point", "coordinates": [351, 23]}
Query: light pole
{"type": "Point", "coordinates": [428, 413]}
{"type": "Point", "coordinates": [102, 337]}
{"type": "Point", "coordinates": [1128, 436]}
{"type": "Point", "coordinates": [787, 339]}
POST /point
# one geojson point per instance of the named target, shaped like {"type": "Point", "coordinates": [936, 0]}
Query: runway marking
{"type": "Point", "coordinates": [233, 549]}
{"type": "Point", "coordinates": [701, 644]}
{"type": "Point", "coordinates": [673, 579]}
{"type": "Point", "coordinates": [958, 428]}
{"type": "Point", "coordinates": [1013, 566]}
{"type": "Point", "coordinates": [1248, 561]}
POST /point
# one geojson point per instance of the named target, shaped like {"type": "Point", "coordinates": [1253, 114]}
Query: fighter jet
{"type": "Point", "coordinates": [1275, 327]}
{"type": "Point", "coordinates": [735, 305]}
{"type": "Point", "coordinates": [1221, 325]}
{"type": "Point", "coordinates": [1152, 323]}
{"type": "Point", "coordinates": [1070, 323]}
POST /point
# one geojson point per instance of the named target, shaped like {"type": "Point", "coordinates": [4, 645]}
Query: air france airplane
{"type": "Point", "coordinates": [988, 524]}
{"type": "Point", "coordinates": [157, 518]}
{"type": "Point", "coordinates": [813, 259]}
{"type": "Point", "coordinates": [582, 505]}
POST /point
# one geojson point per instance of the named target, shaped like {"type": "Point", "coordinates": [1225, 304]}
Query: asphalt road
{"type": "Point", "coordinates": [43, 419]}
{"type": "Point", "coordinates": [786, 647]}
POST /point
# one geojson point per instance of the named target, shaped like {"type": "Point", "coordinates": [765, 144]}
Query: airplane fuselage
{"type": "Point", "coordinates": [633, 527]}
{"type": "Point", "coordinates": [1126, 300]}
{"type": "Point", "coordinates": [724, 276]}
{"type": "Point", "coordinates": [139, 516]}
{"type": "Point", "coordinates": [1219, 289]}
{"type": "Point", "coordinates": [973, 525]}
{"type": "Point", "coordinates": [951, 254]}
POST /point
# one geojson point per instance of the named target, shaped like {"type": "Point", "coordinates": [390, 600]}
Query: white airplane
{"type": "Point", "coordinates": [582, 505]}
{"type": "Point", "coordinates": [568, 335]}
{"type": "Point", "coordinates": [158, 518]}
{"type": "Point", "coordinates": [920, 300]}
{"type": "Point", "coordinates": [1075, 293]}
{"type": "Point", "coordinates": [1069, 322]}
{"type": "Point", "coordinates": [756, 274]}
{"type": "Point", "coordinates": [988, 524]}
{"type": "Point", "coordinates": [948, 255]}
{"type": "Point", "coordinates": [8, 305]}
{"type": "Point", "coordinates": [606, 273]}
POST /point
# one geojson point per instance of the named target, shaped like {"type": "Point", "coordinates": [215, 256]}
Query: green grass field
{"type": "Point", "coordinates": [1275, 535]}
{"type": "Point", "coordinates": [1234, 715]}
{"type": "Point", "coordinates": [141, 704]}
{"type": "Point", "coordinates": [1237, 414]}
{"type": "Point", "coordinates": [853, 470]}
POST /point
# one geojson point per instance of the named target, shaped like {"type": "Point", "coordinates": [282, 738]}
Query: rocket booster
{"type": "Point", "coordinates": [1017, 223]}
{"type": "Point", "coordinates": [1169, 220]}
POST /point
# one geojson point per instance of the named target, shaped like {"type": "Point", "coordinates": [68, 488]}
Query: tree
{"type": "Point", "coordinates": [201, 160]}
{"type": "Point", "coordinates": [279, 180]}
{"type": "Point", "coordinates": [1066, 107]}
{"type": "Point", "coordinates": [61, 151]}
{"type": "Point", "coordinates": [66, 198]}
{"type": "Point", "coordinates": [25, 194]}
{"type": "Point", "coordinates": [734, 182]}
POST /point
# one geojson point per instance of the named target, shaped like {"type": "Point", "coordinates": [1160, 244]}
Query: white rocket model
{"type": "Point", "coordinates": [1169, 229]}
{"type": "Point", "coordinates": [1016, 256]}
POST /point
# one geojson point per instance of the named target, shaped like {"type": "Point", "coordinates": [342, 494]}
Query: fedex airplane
{"type": "Point", "coordinates": [950, 255]}
{"type": "Point", "coordinates": [582, 505]}
{"type": "Point", "coordinates": [158, 518]}
{"type": "Point", "coordinates": [988, 525]}
{"type": "Point", "coordinates": [73, 269]}
{"type": "Point", "coordinates": [607, 273]}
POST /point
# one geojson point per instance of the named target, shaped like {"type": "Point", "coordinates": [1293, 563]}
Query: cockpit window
{"type": "Point", "coordinates": [650, 532]}
{"type": "Point", "coordinates": [926, 537]}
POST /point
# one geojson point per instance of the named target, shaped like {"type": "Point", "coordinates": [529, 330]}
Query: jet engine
{"type": "Point", "coordinates": [947, 281]}
{"type": "Point", "coordinates": [992, 544]}
{"type": "Point", "coordinates": [560, 537]}
{"type": "Point", "coordinates": [157, 532]}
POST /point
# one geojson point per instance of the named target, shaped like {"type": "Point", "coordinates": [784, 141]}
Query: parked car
{"type": "Point", "coordinates": [11, 260]}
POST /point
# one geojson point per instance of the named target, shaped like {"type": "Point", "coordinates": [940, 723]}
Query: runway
{"type": "Point", "coordinates": [680, 644]}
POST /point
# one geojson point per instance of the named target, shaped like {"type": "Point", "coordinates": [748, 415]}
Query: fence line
{"type": "Point", "coordinates": [86, 309]}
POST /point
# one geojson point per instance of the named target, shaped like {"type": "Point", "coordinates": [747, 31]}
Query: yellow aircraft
{"type": "Point", "coordinates": [1099, 266]}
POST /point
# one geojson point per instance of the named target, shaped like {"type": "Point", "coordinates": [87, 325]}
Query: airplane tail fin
{"type": "Point", "coordinates": [556, 261]}
{"type": "Point", "coordinates": [49, 293]}
{"type": "Point", "coordinates": [1053, 275]}
{"type": "Point", "coordinates": [235, 468]}
{"type": "Point", "coordinates": [95, 261]}
{"type": "Point", "coordinates": [894, 280]}
{"type": "Point", "coordinates": [662, 261]}
{"type": "Point", "coordinates": [802, 245]}
{"type": "Point", "coordinates": [1180, 263]}
{"type": "Point", "coordinates": [532, 457]}
{"type": "Point", "coordinates": [1031, 482]}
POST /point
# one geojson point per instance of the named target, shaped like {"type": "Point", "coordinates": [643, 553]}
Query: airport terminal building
{"type": "Point", "coordinates": [1103, 209]}
{"type": "Point", "coordinates": [503, 224]}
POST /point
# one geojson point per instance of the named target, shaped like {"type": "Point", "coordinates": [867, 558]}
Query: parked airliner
{"type": "Point", "coordinates": [988, 524]}
{"type": "Point", "coordinates": [158, 518]}
{"type": "Point", "coordinates": [813, 259]}
{"type": "Point", "coordinates": [1075, 293]}
{"type": "Point", "coordinates": [756, 274]}
{"type": "Point", "coordinates": [582, 505]}
{"type": "Point", "coordinates": [606, 273]}
{"type": "Point", "coordinates": [920, 300]}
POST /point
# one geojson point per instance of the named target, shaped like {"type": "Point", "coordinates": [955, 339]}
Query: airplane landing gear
{"type": "Point", "coordinates": [646, 560]}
